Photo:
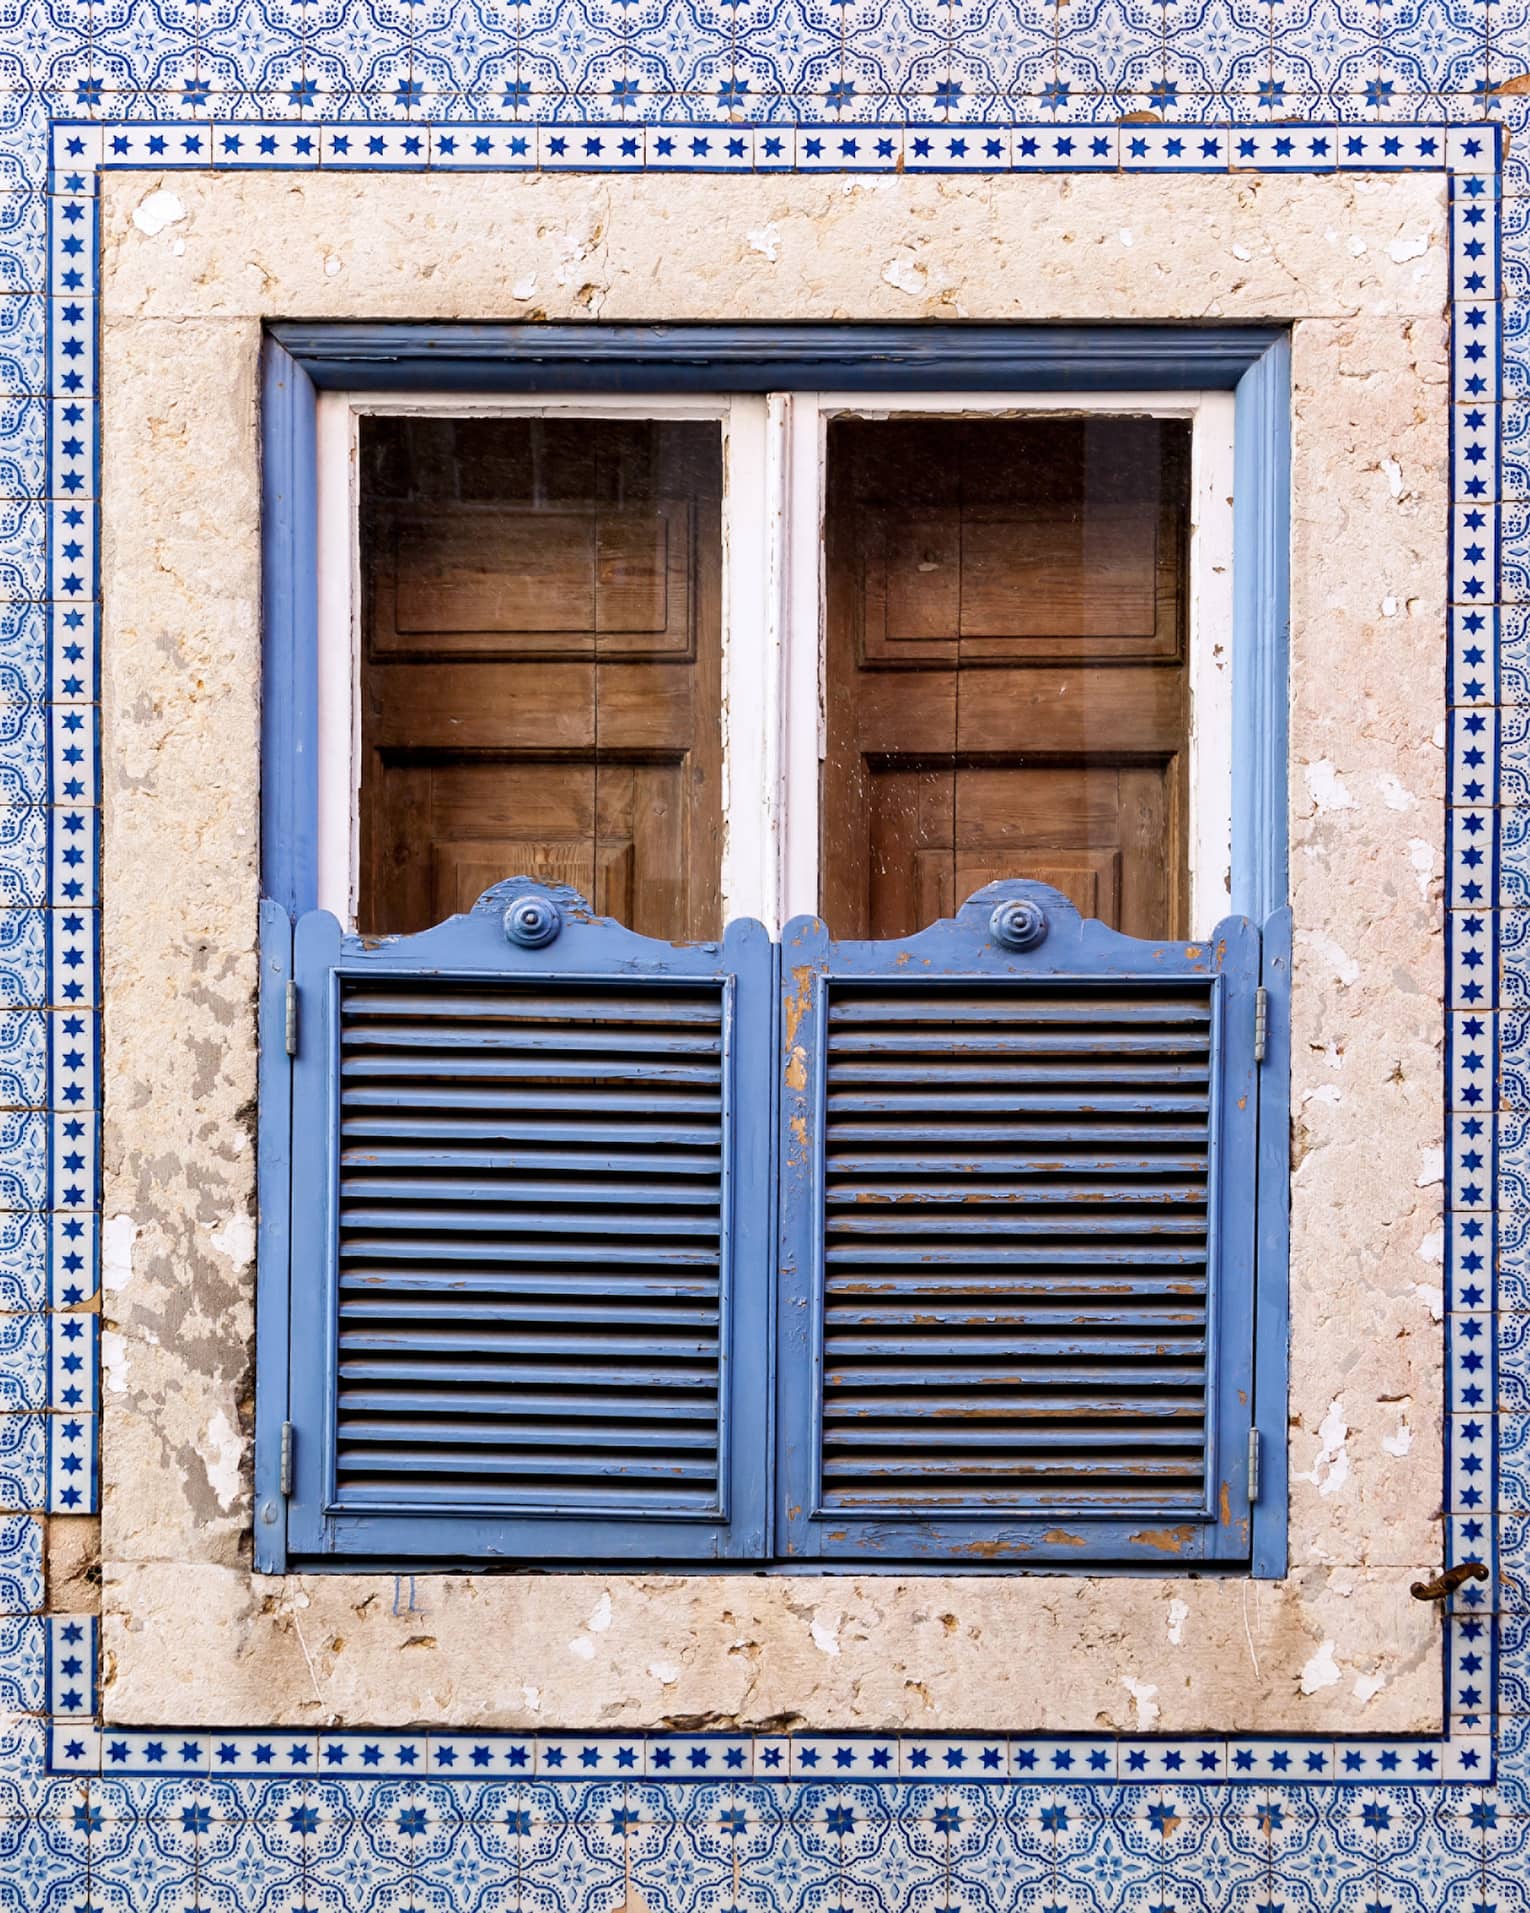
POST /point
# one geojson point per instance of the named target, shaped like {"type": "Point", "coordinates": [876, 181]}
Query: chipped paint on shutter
{"type": "Point", "coordinates": [1018, 1241]}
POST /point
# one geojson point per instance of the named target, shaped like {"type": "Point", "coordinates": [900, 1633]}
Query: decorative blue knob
{"type": "Point", "coordinates": [1018, 924]}
{"type": "Point", "coordinates": [532, 921]}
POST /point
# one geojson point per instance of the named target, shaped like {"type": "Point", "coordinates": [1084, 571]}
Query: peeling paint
{"type": "Point", "coordinates": [906, 275]}
{"type": "Point", "coordinates": [221, 1449]}
{"type": "Point", "coordinates": [114, 1361]}
{"type": "Point", "coordinates": [118, 1235]}
{"type": "Point", "coordinates": [1400, 251]}
{"type": "Point", "coordinates": [157, 210]}
{"type": "Point", "coordinates": [825, 1634]}
{"type": "Point", "coordinates": [799, 1001]}
{"type": "Point", "coordinates": [235, 1240]}
{"type": "Point", "coordinates": [1395, 794]}
{"type": "Point", "coordinates": [1326, 787]}
{"type": "Point", "coordinates": [1425, 859]}
{"type": "Point", "coordinates": [1335, 958]}
{"type": "Point", "coordinates": [1321, 1671]}
{"type": "Point", "coordinates": [1179, 1613]}
{"type": "Point", "coordinates": [1401, 1440]}
{"type": "Point", "coordinates": [1165, 1540]}
{"type": "Point", "coordinates": [1145, 1699]}
{"type": "Point", "coordinates": [1330, 1470]}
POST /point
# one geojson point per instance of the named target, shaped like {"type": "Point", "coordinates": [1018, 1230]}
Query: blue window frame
{"type": "Point", "coordinates": [723, 1415]}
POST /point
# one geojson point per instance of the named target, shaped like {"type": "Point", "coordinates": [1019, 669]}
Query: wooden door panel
{"type": "Point", "coordinates": [1052, 575]}
{"type": "Point", "coordinates": [535, 584]}
{"type": "Point", "coordinates": [1038, 806]}
{"type": "Point", "coordinates": [1053, 709]}
{"type": "Point", "coordinates": [641, 707]}
{"type": "Point", "coordinates": [415, 707]}
{"type": "Point", "coordinates": [1089, 879]}
{"type": "Point", "coordinates": [439, 826]}
{"type": "Point", "coordinates": [1153, 835]}
{"type": "Point", "coordinates": [617, 834]}
{"type": "Point", "coordinates": [531, 707]}
{"type": "Point", "coordinates": [1083, 830]}
{"type": "Point", "coordinates": [1005, 696]}
{"type": "Point", "coordinates": [464, 870]}
{"type": "Point", "coordinates": [1026, 589]}
{"type": "Point", "coordinates": [541, 678]}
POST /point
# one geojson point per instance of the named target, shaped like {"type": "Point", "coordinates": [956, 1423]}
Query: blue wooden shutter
{"type": "Point", "coordinates": [1018, 1161]}
{"type": "Point", "coordinates": [531, 1239]}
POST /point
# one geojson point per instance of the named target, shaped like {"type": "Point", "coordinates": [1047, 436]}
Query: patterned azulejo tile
{"type": "Point", "coordinates": [486, 1822]}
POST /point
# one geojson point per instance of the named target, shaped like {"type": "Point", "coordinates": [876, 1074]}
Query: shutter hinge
{"type": "Point", "coordinates": [1261, 1021]}
{"type": "Point", "coordinates": [292, 1018]}
{"type": "Point", "coordinates": [1253, 1466]}
{"type": "Point", "coordinates": [286, 1462]}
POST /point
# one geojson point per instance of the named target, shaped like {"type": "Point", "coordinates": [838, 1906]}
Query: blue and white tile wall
{"type": "Point", "coordinates": [93, 1818]}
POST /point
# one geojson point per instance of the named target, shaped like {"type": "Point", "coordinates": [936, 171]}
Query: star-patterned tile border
{"type": "Point", "coordinates": [55, 863]}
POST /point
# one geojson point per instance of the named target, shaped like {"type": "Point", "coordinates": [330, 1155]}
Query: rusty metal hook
{"type": "Point", "coordinates": [1444, 1585]}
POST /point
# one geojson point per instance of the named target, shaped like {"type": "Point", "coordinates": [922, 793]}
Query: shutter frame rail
{"type": "Point", "coordinates": [1018, 1528]}
{"type": "Point", "coordinates": [433, 1206]}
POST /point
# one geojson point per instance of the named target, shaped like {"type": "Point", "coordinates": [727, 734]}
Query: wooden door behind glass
{"type": "Point", "coordinates": [541, 666]}
{"type": "Point", "coordinates": [1006, 686]}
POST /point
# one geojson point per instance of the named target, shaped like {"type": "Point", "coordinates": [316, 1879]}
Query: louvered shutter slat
{"type": "Point", "coordinates": [546, 1282]}
{"type": "Point", "coordinates": [570, 1005]}
{"type": "Point", "coordinates": [1053, 1134]}
{"type": "Point", "coordinates": [1011, 1268]}
{"type": "Point", "coordinates": [623, 1154]}
{"type": "Point", "coordinates": [545, 1232]}
{"type": "Point", "coordinates": [478, 1377]}
{"type": "Point", "coordinates": [961, 1007]}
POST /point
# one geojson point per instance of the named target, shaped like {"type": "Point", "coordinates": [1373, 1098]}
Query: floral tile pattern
{"type": "Point", "coordinates": [96, 1818]}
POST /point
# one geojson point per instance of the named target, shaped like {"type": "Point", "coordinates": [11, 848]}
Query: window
{"type": "Point", "coordinates": [982, 662]}
{"type": "Point", "coordinates": [539, 666]}
{"type": "Point", "coordinates": [750, 1089]}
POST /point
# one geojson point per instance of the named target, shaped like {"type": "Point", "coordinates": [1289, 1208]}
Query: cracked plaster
{"type": "Point", "coordinates": [1357, 264]}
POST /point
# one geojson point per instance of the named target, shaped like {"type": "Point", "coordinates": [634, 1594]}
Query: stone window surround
{"type": "Point", "coordinates": [1357, 265]}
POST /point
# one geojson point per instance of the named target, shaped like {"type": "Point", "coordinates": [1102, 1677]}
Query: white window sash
{"type": "Point", "coordinates": [773, 629]}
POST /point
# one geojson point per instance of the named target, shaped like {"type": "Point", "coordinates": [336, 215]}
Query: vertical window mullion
{"type": "Point", "coordinates": [751, 693]}
{"type": "Point", "coordinates": [802, 654]}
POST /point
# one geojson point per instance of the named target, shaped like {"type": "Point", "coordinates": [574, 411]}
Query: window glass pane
{"type": "Point", "coordinates": [1006, 680]}
{"type": "Point", "coordinates": [540, 666]}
